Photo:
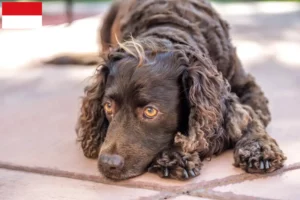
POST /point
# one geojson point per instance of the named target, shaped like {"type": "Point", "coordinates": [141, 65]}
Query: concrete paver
{"type": "Point", "coordinates": [26, 186]}
{"type": "Point", "coordinates": [285, 186]}
{"type": "Point", "coordinates": [39, 106]}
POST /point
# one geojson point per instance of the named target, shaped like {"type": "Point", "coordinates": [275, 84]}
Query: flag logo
{"type": "Point", "coordinates": [22, 15]}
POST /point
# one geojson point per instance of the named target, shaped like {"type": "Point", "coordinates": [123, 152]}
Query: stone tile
{"type": "Point", "coordinates": [285, 186]}
{"type": "Point", "coordinates": [287, 135]}
{"type": "Point", "coordinates": [26, 186]}
{"type": "Point", "coordinates": [39, 119]}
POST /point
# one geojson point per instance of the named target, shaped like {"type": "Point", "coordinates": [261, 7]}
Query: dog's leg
{"type": "Point", "coordinates": [69, 11]}
{"type": "Point", "coordinates": [249, 92]}
{"type": "Point", "coordinates": [105, 33]}
{"type": "Point", "coordinates": [255, 150]}
{"type": "Point", "coordinates": [176, 164]}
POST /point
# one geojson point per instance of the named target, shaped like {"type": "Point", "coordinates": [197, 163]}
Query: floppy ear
{"type": "Point", "coordinates": [204, 88]}
{"type": "Point", "coordinates": [92, 124]}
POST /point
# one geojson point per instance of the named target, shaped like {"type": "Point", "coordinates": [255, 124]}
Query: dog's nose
{"type": "Point", "coordinates": [111, 162]}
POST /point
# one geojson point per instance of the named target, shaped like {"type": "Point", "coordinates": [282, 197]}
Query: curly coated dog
{"type": "Point", "coordinates": [170, 92]}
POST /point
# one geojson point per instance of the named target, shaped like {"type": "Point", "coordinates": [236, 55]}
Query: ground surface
{"type": "Point", "coordinates": [39, 158]}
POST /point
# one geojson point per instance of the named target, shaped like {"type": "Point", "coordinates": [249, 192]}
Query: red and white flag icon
{"type": "Point", "coordinates": [22, 15]}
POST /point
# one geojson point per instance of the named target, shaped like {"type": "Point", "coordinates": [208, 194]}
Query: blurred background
{"type": "Point", "coordinates": [260, 19]}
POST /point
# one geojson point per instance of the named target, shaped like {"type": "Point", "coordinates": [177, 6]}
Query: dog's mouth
{"type": "Point", "coordinates": [119, 175]}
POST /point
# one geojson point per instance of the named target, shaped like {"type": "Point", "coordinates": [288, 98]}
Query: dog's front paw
{"type": "Point", "coordinates": [259, 156]}
{"type": "Point", "coordinates": [173, 164]}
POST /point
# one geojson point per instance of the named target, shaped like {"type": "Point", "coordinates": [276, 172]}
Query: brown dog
{"type": "Point", "coordinates": [173, 95]}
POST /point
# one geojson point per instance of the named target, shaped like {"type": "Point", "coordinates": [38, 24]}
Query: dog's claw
{"type": "Point", "coordinates": [197, 171]}
{"type": "Point", "coordinates": [185, 162]}
{"type": "Point", "coordinates": [267, 164]}
{"type": "Point", "coordinates": [192, 173]}
{"type": "Point", "coordinates": [166, 172]}
{"type": "Point", "coordinates": [250, 164]}
{"type": "Point", "coordinates": [262, 166]}
{"type": "Point", "coordinates": [185, 174]}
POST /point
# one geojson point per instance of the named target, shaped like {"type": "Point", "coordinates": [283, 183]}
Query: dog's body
{"type": "Point", "coordinates": [172, 96]}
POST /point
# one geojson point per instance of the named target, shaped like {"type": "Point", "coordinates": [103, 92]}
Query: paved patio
{"type": "Point", "coordinates": [39, 156]}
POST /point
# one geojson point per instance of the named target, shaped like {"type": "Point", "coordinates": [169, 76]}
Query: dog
{"type": "Point", "coordinates": [171, 92]}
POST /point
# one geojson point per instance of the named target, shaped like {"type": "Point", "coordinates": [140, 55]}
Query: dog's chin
{"type": "Point", "coordinates": [121, 175]}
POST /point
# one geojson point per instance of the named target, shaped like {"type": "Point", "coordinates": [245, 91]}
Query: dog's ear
{"type": "Point", "coordinates": [204, 87]}
{"type": "Point", "coordinates": [92, 124]}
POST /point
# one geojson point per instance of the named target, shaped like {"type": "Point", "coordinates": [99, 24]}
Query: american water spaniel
{"type": "Point", "coordinates": [170, 92]}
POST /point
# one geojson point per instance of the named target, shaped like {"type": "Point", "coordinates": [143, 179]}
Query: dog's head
{"type": "Point", "coordinates": [140, 98]}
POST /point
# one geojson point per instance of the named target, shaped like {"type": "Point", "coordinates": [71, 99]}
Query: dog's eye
{"type": "Point", "coordinates": [150, 112]}
{"type": "Point", "coordinates": [108, 108]}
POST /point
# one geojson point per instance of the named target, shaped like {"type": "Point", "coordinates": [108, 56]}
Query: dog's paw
{"type": "Point", "coordinates": [260, 156]}
{"type": "Point", "coordinates": [172, 164]}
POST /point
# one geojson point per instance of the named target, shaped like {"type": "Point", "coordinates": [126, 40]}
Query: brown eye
{"type": "Point", "coordinates": [108, 108]}
{"type": "Point", "coordinates": [150, 112]}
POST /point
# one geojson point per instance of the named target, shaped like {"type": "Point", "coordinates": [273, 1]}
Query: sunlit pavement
{"type": "Point", "coordinates": [39, 104]}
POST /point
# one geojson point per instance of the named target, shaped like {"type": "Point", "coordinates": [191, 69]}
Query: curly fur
{"type": "Point", "coordinates": [226, 108]}
{"type": "Point", "coordinates": [92, 124]}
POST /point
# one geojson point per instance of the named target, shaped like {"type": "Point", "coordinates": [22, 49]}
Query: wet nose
{"type": "Point", "coordinates": [111, 161]}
